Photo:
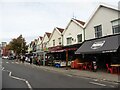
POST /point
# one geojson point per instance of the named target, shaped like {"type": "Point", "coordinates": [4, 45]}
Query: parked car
{"type": "Point", "coordinates": [4, 57]}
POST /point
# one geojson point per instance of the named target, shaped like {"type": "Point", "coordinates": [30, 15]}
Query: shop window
{"type": "Point", "coordinates": [79, 38]}
{"type": "Point", "coordinates": [98, 31]}
{"type": "Point", "coordinates": [116, 26]}
{"type": "Point", "coordinates": [69, 40]}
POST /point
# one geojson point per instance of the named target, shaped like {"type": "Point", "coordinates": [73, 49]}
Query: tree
{"type": "Point", "coordinates": [18, 45]}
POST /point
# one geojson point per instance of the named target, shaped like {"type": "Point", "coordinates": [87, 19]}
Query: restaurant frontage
{"type": "Point", "coordinates": [104, 50]}
{"type": "Point", "coordinates": [62, 55]}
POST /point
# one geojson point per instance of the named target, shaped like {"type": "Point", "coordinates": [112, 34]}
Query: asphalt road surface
{"type": "Point", "coordinates": [21, 75]}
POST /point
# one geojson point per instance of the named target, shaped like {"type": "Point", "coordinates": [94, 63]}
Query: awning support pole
{"type": "Point", "coordinates": [66, 59]}
{"type": "Point", "coordinates": [83, 56]}
{"type": "Point", "coordinates": [44, 59]}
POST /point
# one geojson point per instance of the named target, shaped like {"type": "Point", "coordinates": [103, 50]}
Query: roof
{"type": "Point", "coordinates": [60, 29]}
{"type": "Point", "coordinates": [48, 34]}
{"type": "Point", "coordinates": [97, 8]}
{"type": "Point", "coordinates": [40, 37]}
{"type": "Point", "coordinates": [80, 22]}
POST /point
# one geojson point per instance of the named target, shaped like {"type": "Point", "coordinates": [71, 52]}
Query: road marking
{"type": "Point", "coordinates": [29, 86]}
{"type": "Point", "coordinates": [69, 75]}
{"type": "Point", "coordinates": [3, 69]}
{"type": "Point", "coordinates": [112, 86]}
{"type": "Point", "coordinates": [12, 62]}
{"type": "Point", "coordinates": [10, 75]}
{"type": "Point", "coordinates": [17, 63]}
{"type": "Point", "coordinates": [7, 62]}
{"type": "Point", "coordinates": [95, 79]}
{"type": "Point", "coordinates": [110, 82]}
{"type": "Point", "coordinates": [97, 84]}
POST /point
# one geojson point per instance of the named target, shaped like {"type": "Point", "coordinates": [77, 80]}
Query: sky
{"type": "Point", "coordinates": [32, 18]}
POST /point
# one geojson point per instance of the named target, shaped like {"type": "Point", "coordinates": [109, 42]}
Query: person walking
{"type": "Point", "coordinates": [94, 64]}
{"type": "Point", "coordinates": [23, 58]}
{"type": "Point", "coordinates": [31, 57]}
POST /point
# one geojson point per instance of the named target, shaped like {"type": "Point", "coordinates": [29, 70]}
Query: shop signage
{"type": "Point", "coordinates": [97, 45]}
{"type": "Point", "coordinates": [109, 51]}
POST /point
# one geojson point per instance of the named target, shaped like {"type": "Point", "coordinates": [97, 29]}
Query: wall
{"type": "Point", "coordinates": [72, 31]}
{"type": "Point", "coordinates": [103, 17]}
{"type": "Point", "coordinates": [55, 37]}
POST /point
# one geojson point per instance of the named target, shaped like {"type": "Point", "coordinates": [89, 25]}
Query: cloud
{"type": "Point", "coordinates": [35, 17]}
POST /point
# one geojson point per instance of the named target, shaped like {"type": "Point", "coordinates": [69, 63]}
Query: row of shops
{"type": "Point", "coordinates": [105, 50]}
{"type": "Point", "coordinates": [81, 43]}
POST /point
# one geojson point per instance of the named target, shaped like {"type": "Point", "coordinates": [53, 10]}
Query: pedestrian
{"type": "Point", "coordinates": [94, 64]}
{"type": "Point", "coordinates": [23, 58]}
{"type": "Point", "coordinates": [36, 60]}
{"type": "Point", "coordinates": [17, 58]}
{"type": "Point", "coordinates": [31, 57]}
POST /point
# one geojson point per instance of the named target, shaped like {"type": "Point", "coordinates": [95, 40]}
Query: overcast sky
{"type": "Point", "coordinates": [32, 18]}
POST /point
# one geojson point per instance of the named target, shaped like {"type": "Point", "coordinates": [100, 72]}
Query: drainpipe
{"type": "Point", "coordinates": [83, 56]}
{"type": "Point", "coordinates": [44, 58]}
{"type": "Point", "coordinates": [84, 33]}
{"type": "Point", "coordinates": [62, 39]}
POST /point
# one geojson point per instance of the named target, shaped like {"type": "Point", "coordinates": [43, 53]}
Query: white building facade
{"type": "Point", "coordinates": [73, 33]}
{"type": "Point", "coordinates": [56, 38]}
{"type": "Point", "coordinates": [45, 40]}
{"type": "Point", "coordinates": [103, 22]}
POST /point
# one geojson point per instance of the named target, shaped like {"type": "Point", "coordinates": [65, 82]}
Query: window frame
{"type": "Point", "coordinates": [78, 39]}
{"type": "Point", "coordinates": [70, 38]}
{"type": "Point", "coordinates": [98, 31]}
{"type": "Point", "coordinates": [116, 28]}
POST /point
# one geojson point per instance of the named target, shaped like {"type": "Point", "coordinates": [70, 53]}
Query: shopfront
{"type": "Point", "coordinates": [105, 49]}
{"type": "Point", "coordinates": [63, 55]}
{"type": "Point", "coordinates": [55, 55]}
{"type": "Point", "coordinates": [41, 55]}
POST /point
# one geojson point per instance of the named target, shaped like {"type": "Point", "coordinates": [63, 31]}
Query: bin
{"type": "Point", "coordinates": [57, 65]}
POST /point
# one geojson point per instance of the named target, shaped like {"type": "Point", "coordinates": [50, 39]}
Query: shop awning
{"type": "Point", "coordinates": [39, 52]}
{"type": "Point", "coordinates": [63, 50]}
{"type": "Point", "coordinates": [101, 45]}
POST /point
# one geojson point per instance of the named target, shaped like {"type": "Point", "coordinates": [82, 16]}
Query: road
{"type": "Point", "coordinates": [21, 75]}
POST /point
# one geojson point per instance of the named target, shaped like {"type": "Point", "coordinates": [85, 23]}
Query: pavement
{"type": "Point", "coordinates": [99, 75]}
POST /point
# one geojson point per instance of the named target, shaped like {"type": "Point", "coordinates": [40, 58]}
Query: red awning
{"type": "Point", "coordinates": [62, 50]}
